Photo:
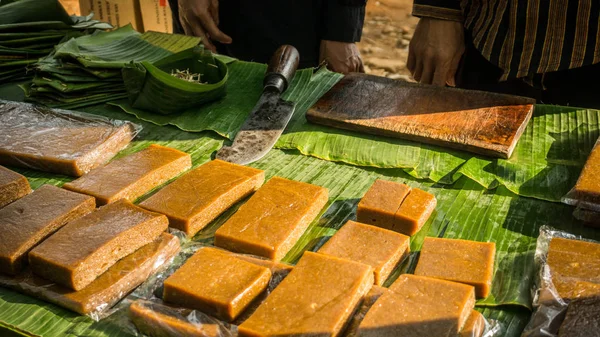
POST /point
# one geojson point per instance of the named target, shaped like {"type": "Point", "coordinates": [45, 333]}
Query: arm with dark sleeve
{"type": "Point", "coordinates": [438, 9]}
{"type": "Point", "coordinates": [343, 20]}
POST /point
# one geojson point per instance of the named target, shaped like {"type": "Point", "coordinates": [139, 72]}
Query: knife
{"type": "Point", "coordinates": [270, 115]}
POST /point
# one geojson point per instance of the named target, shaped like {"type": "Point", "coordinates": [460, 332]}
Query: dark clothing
{"type": "Point", "coordinates": [526, 37]}
{"type": "Point", "coordinates": [573, 87]}
{"type": "Point", "coordinates": [259, 27]}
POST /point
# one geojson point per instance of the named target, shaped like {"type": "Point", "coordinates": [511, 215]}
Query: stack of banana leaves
{"type": "Point", "coordinates": [29, 30]}
{"type": "Point", "coordinates": [86, 70]}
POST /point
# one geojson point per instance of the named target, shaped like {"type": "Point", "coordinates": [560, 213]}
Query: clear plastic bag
{"type": "Point", "coordinates": [98, 299]}
{"type": "Point", "coordinates": [586, 193]}
{"type": "Point", "coordinates": [147, 312]}
{"type": "Point", "coordinates": [59, 141]}
{"type": "Point", "coordinates": [554, 290]}
{"type": "Point", "coordinates": [476, 325]}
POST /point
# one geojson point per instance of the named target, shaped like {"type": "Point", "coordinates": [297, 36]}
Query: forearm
{"type": "Point", "coordinates": [343, 20]}
{"type": "Point", "coordinates": [438, 9]}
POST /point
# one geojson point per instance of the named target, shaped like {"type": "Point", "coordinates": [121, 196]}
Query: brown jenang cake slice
{"type": "Point", "coordinates": [199, 196]}
{"type": "Point", "coordinates": [380, 248]}
{"type": "Point", "coordinates": [118, 281]}
{"type": "Point", "coordinates": [85, 248]}
{"type": "Point", "coordinates": [12, 186]}
{"type": "Point", "coordinates": [132, 176]}
{"type": "Point", "coordinates": [216, 283]}
{"type": "Point", "coordinates": [463, 261]}
{"type": "Point", "coordinates": [272, 221]}
{"type": "Point", "coordinates": [316, 299]}
{"type": "Point", "coordinates": [31, 219]}
{"type": "Point", "coordinates": [154, 319]}
{"type": "Point", "coordinates": [59, 141]}
{"type": "Point", "coordinates": [379, 205]}
{"type": "Point", "coordinates": [418, 306]}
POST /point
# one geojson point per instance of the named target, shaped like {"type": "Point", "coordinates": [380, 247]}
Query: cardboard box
{"type": "Point", "coordinates": [118, 13]}
{"type": "Point", "coordinates": [156, 15]}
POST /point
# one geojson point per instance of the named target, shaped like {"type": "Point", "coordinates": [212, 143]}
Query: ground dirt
{"type": "Point", "coordinates": [388, 29]}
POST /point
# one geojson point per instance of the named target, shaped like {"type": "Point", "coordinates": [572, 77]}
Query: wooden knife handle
{"type": "Point", "coordinates": [282, 68]}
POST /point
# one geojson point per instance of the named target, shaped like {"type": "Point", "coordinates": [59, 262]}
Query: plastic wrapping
{"type": "Point", "coordinates": [148, 298]}
{"type": "Point", "coordinates": [476, 325]}
{"type": "Point", "coordinates": [59, 141]}
{"type": "Point", "coordinates": [97, 299]}
{"type": "Point", "coordinates": [586, 193]}
{"type": "Point", "coordinates": [553, 292]}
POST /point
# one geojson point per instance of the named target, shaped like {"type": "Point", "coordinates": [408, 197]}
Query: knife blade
{"type": "Point", "coordinates": [270, 115]}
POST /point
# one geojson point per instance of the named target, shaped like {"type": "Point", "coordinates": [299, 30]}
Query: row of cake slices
{"type": "Point", "coordinates": [268, 225]}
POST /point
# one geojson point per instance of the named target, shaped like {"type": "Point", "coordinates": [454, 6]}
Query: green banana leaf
{"type": "Point", "coordinates": [152, 87]}
{"type": "Point", "coordinates": [41, 81]}
{"type": "Point", "coordinates": [33, 11]}
{"type": "Point", "coordinates": [545, 165]}
{"type": "Point", "coordinates": [117, 48]}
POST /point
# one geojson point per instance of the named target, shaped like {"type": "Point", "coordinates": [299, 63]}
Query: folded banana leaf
{"type": "Point", "coordinates": [154, 88]}
{"type": "Point", "coordinates": [117, 48]}
{"type": "Point", "coordinates": [33, 11]}
{"type": "Point", "coordinates": [86, 70]}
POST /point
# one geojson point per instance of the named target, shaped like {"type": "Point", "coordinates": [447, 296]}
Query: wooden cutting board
{"type": "Point", "coordinates": [475, 121]}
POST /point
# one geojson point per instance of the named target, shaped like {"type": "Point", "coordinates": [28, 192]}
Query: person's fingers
{"type": "Point", "coordinates": [411, 62]}
{"type": "Point", "coordinates": [214, 11]}
{"type": "Point", "coordinates": [211, 28]}
{"type": "Point", "coordinates": [427, 74]}
{"type": "Point", "coordinates": [418, 70]}
{"type": "Point", "coordinates": [361, 66]}
{"type": "Point", "coordinates": [197, 30]}
{"type": "Point", "coordinates": [187, 30]}
{"type": "Point", "coordinates": [451, 73]}
{"type": "Point", "coordinates": [440, 76]}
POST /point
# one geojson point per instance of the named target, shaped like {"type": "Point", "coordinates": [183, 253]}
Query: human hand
{"type": "Point", "coordinates": [201, 18]}
{"type": "Point", "coordinates": [341, 57]}
{"type": "Point", "coordinates": [435, 50]}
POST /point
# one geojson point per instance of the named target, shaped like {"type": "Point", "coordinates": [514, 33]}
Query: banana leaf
{"type": "Point", "coordinates": [33, 10]}
{"type": "Point", "coordinates": [40, 81]}
{"type": "Point", "coordinates": [152, 87]}
{"type": "Point", "coordinates": [117, 48]}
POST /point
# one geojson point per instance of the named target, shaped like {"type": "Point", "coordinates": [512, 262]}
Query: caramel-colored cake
{"type": "Point", "coordinates": [31, 219]}
{"type": "Point", "coordinates": [85, 248]}
{"type": "Point", "coordinates": [414, 212]}
{"type": "Point", "coordinates": [474, 326]}
{"type": "Point", "coordinates": [12, 186]}
{"type": "Point", "coordinates": [58, 141]}
{"type": "Point", "coordinates": [273, 220]}
{"type": "Point", "coordinates": [587, 189]}
{"type": "Point", "coordinates": [198, 197]}
{"type": "Point", "coordinates": [380, 248]}
{"type": "Point", "coordinates": [379, 205]}
{"type": "Point", "coordinates": [316, 299]}
{"type": "Point", "coordinates": [419, 306]}
{"type": "Point", "coordinates": [155, 320]}
{"type": "Point", "coordinates": [132, 176]}
{"type": "Point", "coordinates": [118, 281]}
{"type": "Point", "coordinates": [574, 268]}
{"type": "Point", "coordinates": [463, 261]}
{"type": "Point", "coordinates": [217, 283]}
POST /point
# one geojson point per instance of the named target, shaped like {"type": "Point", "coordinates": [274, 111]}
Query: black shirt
{"type": "Point", "coordinates": [259, 27]}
